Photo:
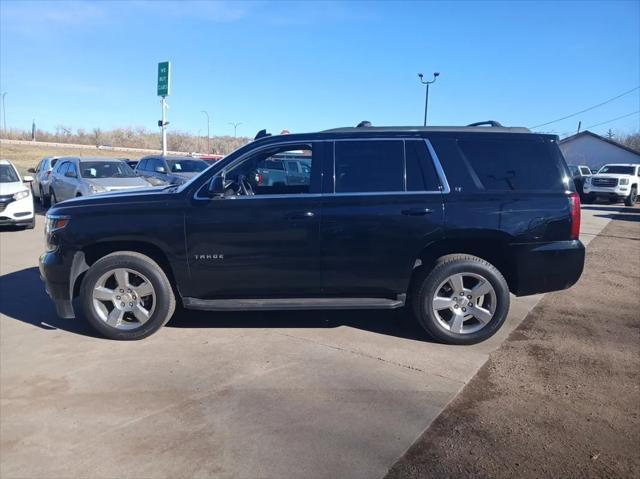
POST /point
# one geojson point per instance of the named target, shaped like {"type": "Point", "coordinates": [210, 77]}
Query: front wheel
{"type": "Point", "coordinates": [127, 296]}
{"type": "Point", "coordinates": [462, 300]}
{"type": "Point", "coordinates": [631, 199]}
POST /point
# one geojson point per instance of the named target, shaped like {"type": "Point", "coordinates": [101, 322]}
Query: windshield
{"type": "Point", "coordinates": [187, 166]}
{"type": "Point", "coordinates": [8, 174]}
{"type": "Point", "coordinates": [105, 169]}
{"type": "Point", "coordinates": [617, 169]}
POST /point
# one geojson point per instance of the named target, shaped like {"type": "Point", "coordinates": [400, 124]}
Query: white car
{"type": "Point", "coordinates": [616, 182]}
{"type": "Point", "coordinates": [16, 200]}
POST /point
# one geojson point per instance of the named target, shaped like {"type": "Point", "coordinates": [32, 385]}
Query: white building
{"type": "Point", "coordinates": [586, 148]}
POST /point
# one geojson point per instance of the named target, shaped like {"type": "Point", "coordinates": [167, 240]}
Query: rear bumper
{"type": "Point", "coordinates": [545, 267]}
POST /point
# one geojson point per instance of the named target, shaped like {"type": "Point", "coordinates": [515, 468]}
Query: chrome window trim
{"type": "Point", "coordinates": [438, 166]}
{"type": "Point", "coordinates": [444, 189]}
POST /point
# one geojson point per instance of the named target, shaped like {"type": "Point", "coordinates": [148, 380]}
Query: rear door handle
{"type": "Point", "coordinates": [417, 211]}
{"type": "Point", "coordinates": [301, 215]}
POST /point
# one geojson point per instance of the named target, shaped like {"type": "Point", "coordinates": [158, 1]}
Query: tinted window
{"type": "Point", "coordinates": [585, 171]}
{"type": "Point", "coordinates": [369, 166]}
{"type": "Point", "coordinates": [62, 169]}
{"type": "Point", "coordinates": [617, 169]}
{"type": "Point", "coordinates": [142, 166]}
{"type": "Point", "coordinates": [511, 164]}
{"type": "Point", "coordinates": [421, 175]}
{"type": "Point", "coordinates": [271, 164]}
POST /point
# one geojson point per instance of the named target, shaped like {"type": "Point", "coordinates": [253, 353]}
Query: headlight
{"type": "Point", "coordinates": [21, 194]}
{"type": "Point", "coordinates": [96, 188]}
{"type": "Point", "coordinates": [624, 181]}
{"type": "Point", "coordinates": [55, 222]}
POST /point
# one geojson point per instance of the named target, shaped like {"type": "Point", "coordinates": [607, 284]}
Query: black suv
{"type": "Point", "coordinates": [445, 220]}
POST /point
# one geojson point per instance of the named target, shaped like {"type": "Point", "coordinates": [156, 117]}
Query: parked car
{"type": "Point", "coordinates": [614, 182]}
{"type": "Point", "coordinates": [16, 200]}
{"type": "Point", "coordinates": [284, 170]}
{"type": "Point", "coordinates": [579, 174]}
{"type": "Point", "coordinates": [211, 159]}
{"type": "Point", "coordinates": [445, 221]}
{"type": "Point", "coordinates": [170, 170]}
{"type": "Point", "coordinates": [73, 177]}
{"type": "Point", "coordinates": [42, 179]}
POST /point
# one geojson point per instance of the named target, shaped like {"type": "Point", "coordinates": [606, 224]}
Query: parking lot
{"type": "Point", "coordinates": [278, 394]}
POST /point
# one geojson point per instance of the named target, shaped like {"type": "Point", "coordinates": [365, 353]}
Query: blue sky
{"type": "Point", "coordinates": [313, 65]}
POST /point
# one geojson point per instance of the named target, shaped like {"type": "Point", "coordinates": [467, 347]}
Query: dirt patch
{"type": "Point", "coordinates": [561, 397]}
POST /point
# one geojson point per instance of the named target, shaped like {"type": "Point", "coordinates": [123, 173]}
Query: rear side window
{"type": "Point", "coordinates": [421, 175]}
{"type": "Point", "coordinates": [369, 166]}
{"type": "Point", "coordinates": [511, 164]}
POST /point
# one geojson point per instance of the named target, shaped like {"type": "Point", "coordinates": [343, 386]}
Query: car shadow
{"type": "Point", "coordinates": [23, 298]}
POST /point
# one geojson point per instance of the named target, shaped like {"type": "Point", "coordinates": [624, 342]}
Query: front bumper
{"type": "Point", "coordinates": [16, 212]}
{"type": "Point", "coordinates": [59, 272]}
{"type": "Point", "coordinates": [617, 192]}
{"type": "Point", "coordinates": [545, 267]}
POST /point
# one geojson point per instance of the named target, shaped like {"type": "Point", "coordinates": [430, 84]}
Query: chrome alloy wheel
{"type": "Point", "coordinates": [124, 299]}
{"type": "Point", "coordinates": [464, 303]}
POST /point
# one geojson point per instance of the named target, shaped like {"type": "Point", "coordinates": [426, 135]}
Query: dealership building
{"type": "Point", "coordinates": [587, 148]}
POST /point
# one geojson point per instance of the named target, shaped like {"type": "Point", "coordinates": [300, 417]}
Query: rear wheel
{"type": "Point", "coordinates": [127, 296]}
{"type": "Point", "coordinates": [54, 199]}
{"type": "Point", "coordinates": [632, 198]}
{"type": "Point", "coordinates": [462, 300]}
{"type": "Point", "coordinates": [44, 200]}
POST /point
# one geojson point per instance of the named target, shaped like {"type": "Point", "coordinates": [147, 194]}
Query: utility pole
{"type": "Point", "coordinates": [4, 114]}
{"type": "Point", "coordinates": [208, 136]}
{"type": "Point", "coordinates": [426, 98]}
{"type": "Point", "coordinates": [579, 126]}
{"type": "Point", "coordinates": [235, 127]}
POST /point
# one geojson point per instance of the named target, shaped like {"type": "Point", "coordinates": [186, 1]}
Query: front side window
{"type": "Point", "coordinates": [72, 169]}
{"type": "Point", "coordinates": [8, 174]}
{"type": "Point", "coordinates": [502, 164]}
{"type": "Point", "coordinates": [105, 169]}
{"type": "Point", "coordinates": [585, 171]}
{"type": "Point", "coordinates": [369, 166]}
{"type": "Point", "coordinates": [62, 169]}
{"type": "Point", "coordinates": [270, 172]}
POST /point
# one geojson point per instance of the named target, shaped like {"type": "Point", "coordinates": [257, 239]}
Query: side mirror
{"type": "Point", "coordinates": [31, 170]}
{"type": "Point", "coordinates": [216, 187]}
{"type": "Point", "coordinates": [160, 169]}
{"type": "Point", "coordinates": [28, 179]}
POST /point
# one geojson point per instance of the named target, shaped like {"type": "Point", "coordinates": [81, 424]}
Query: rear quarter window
{"type": "Point", "coordinates": [505, 164]}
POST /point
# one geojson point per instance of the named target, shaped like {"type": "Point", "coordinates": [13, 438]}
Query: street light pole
{"type": "Point", "coordinates": [235, 127]}
{"type": "Point", "coordinates": [208, 143]}
{"type": "Point", "coordinates": [426, 98]}
{"type": "Point", "coordinates": [4, 115]}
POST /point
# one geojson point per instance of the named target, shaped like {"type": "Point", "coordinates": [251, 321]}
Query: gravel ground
{"type": "Point", "coordinates": [561, 397]}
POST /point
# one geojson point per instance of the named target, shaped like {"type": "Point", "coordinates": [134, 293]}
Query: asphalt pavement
{"type": "Point", "coordinates": [277, 394]}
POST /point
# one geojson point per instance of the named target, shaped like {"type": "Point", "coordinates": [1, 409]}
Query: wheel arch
{"type": "Point", "coordinates": [493, 250]}
{"type": "Point", "coordinates": [95, 251]}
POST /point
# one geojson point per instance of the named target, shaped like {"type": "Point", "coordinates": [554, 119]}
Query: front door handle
{"type": "Point", "coordinates": [417, 211]}
{"type": "Point", "coordinates": [301, 215]}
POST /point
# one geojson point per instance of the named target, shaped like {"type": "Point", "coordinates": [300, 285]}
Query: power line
{"type": "Point", "coordinates": [613, 119]}
{"type": "Point", "coordinates": [588, 109]}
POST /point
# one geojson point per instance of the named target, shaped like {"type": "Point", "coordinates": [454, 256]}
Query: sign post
{"type": "Point", "coordinates": [164, 90]}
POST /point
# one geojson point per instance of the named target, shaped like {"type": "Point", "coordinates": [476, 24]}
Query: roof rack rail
{"type": "Point", "coordinates": [488, 122]}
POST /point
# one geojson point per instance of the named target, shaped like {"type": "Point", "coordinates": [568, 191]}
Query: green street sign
{"type": "Point", "coordinates": [164, 79]}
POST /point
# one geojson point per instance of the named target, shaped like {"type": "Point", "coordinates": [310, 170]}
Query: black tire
{"type": "Point", "coordinates": [137, 262]}
{"type": "Point", "coordinates": [587, 199]}
{"type": "Point", "coordinates": [633, 196]}
{"type": "Point", "coordinates": [31, 225]}
{"type": "Point", "coordinates": [53, 199]}
{"type": "Point", "coordinates": [427, 281]}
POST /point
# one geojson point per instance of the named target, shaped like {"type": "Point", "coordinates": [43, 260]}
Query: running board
{"type": "Point", "coordinates": [292, 303]}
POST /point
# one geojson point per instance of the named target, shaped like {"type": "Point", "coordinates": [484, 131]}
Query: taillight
{"type": "Point", "coordinates": [48, 173]}
{"type": "Point", "coordinates": [258, 178]}
{"type": "Point", "coordinates": [574, 205]}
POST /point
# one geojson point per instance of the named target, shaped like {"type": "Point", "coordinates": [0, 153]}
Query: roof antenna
{"type": "Point", "coordinates": [364, 124]}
